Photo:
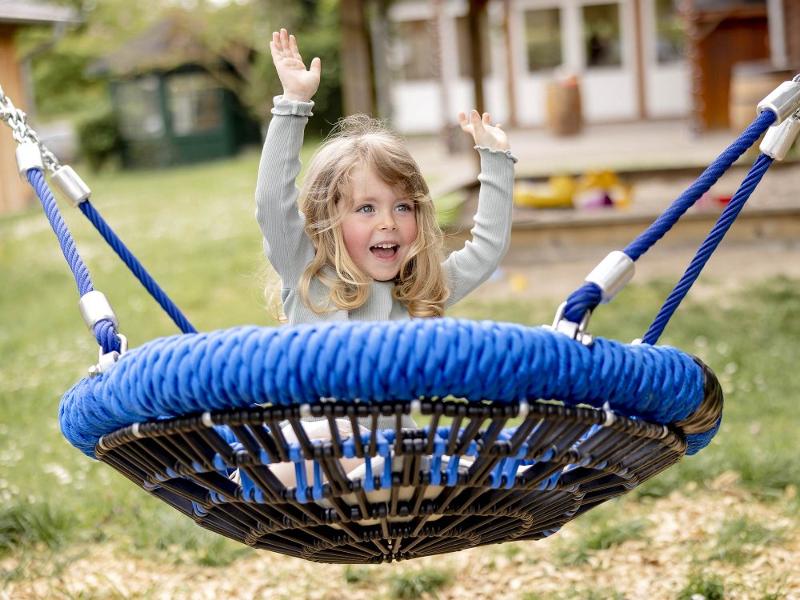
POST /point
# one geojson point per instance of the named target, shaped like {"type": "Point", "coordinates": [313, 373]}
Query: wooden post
{"type": "Point", "coordinates": [357, 75]}
{"type": "Point", "coordinates": [511, 82]}
{"type": "Point", "coordinates": [639, 58]}
{"type": "Point", "coordinates": [475, 20]}
{"type": "Point", "coordinates": [15, 194]}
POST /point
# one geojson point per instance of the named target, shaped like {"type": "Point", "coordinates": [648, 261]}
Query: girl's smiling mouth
{"type": "Point", "coordinates": [384, 250]}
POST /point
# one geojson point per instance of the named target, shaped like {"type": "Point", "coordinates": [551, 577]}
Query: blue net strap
{"type": "Point", "coordinates": [136, 268]}
{"type": "Point", "coordinates": [589, 295]}
{"type": "Point", "coordinates": [104, 330]}
{"type": "Point", "coordinates": [710, 244]}
{"type": "Point", "coordinates": [382, 362]}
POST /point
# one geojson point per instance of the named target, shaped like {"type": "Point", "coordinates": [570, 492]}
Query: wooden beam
{"type": "Point", "coordinates": [15, 194]}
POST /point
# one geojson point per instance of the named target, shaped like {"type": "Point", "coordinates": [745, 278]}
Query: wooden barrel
{"type": "Point", "coordinates": [750, 83]}
{"type": "Point", "coordinates": [563, 106]}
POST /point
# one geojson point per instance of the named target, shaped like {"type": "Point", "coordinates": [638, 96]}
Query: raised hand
{"type": "Point", "coordinates": [298, 83]}
{"type": "Point", "coordinates": [482, 131]}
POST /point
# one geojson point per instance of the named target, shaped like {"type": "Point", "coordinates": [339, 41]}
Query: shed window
{"type": "Point", "coordinates": [139, 107]}
{"type": "Point", "coordinates": [194, 103]}
{"type": "Point", "coordinates": [670, 38]}
{"type": "Point", "coordinates": [543, 38]}
{"type": "Point", "coordinates": [602, 35]}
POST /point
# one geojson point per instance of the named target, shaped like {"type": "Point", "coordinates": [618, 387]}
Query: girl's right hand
{"type": "Point", "coordinates": [298, 83]}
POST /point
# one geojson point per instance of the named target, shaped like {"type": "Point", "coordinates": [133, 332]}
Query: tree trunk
{"type": "Point", "coordinates": [357, 73]}
{"type": "Point", "coordinates": [475, 20]}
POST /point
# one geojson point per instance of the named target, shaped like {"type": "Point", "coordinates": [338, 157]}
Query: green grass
{"type": "Point", "coordinates": [194, 230]}
{"type": "Point", "coordinates": [702, 585]}
{"type": "Point", "coordinates": [600, 529]}
{"type": "Point", "coordinates": [409, 585]}
{"type": "Point", "coordinates": [739, 540]}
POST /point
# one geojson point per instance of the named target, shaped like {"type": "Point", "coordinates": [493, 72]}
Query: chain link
{"type": "Point", "coordinates": [17, 120]}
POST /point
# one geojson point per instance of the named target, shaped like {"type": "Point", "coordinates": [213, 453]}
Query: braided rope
{"type": "Point", "coordinates": [136, 268]}
{"type": "Point", "coordinates": [723, 224]}
{"type": "Point", "coordinates": [382, 362]}
{"type": "Point", "coordinates": [104, 330]}
{"type": "Point", "coordinates": [589, 295]}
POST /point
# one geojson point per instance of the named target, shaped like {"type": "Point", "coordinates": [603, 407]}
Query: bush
{"type": "Point", "coordinates": [99, 139]}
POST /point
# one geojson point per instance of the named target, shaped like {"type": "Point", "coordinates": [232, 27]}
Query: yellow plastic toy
{"type": "Point", "coordinates": [557, 193]}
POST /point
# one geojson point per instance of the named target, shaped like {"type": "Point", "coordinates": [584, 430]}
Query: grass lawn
{"type": "Point", "coordinates": [195, 231]}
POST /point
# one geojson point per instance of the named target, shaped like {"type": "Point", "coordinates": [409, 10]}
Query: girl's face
{"type": "Point", "coordinates": [378, 225]}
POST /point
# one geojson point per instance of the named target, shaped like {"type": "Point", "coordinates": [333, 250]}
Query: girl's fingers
{"type": "Point", "coordinates": [285, 43]}
{"type": "Point", "coordinates": [294, 49]}
{"type": "Point", "coordinates": [477, 123]}
{"type": "Point", "coordinates": [486, 119]}
{"type": "Point", "coordinates": [316, 65]}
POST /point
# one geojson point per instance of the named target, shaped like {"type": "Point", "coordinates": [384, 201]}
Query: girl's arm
{"type": "Point", "coordinates": [467, 268]}
{"type": "Point", "coordinates": [285, 243]}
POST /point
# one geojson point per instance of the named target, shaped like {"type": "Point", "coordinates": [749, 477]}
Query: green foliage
{"type": "Point", "coordinates": [409, 585]}
{"type": "Point", "coordinates": [234, 34]}
{"type": "Point", "coordinates": [599, 533]}
{"type": "Point", "coordinates": [356, 575]}
{"type": "Point", "coordinates": [99, 138]}
{"type": "Point", "coordinates": [702, 586]}
{"type": "Point", "coordinates": [739, 540]}
{"type": "Point", "coordinates": [25, 525]}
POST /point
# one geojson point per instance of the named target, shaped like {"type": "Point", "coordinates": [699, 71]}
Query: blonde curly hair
{"type": "Point", "coordinates": [361, 140]}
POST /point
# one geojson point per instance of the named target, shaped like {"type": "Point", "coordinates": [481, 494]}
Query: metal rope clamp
{"type": "Point", "coordinates": [611, 275]}
{"type": "Point", "coordinates": [94, 307]}
{"type": "Point", "coordinates": [784, 101]}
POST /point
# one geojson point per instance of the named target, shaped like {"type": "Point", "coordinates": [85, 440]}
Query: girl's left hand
{"type": "Point", "coordinates": [482, 131]}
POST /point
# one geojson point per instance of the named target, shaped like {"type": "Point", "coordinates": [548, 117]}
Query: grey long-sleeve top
{"type": "Point", "coordinates": [289, 249]}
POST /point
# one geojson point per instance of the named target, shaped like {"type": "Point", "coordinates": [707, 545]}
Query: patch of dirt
{"type": "Point", "coordinates": [680, 541]}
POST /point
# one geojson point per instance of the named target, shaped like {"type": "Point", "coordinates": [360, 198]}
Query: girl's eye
{"type": "Point", "coordinates": [405, 208]}
{"type": "Point", "coordinates": [367, 208]}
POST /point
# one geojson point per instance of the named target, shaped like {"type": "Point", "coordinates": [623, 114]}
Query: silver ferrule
{"type": "Point", "coordinates": [779, 139]}
{"type": "Point", "coordinates": [612, 274]}
{"type": "Point", "coordinates": [29, 156]}
{"type": "Point", "coordinates": [94, 307]}
{"type": "Point", "coordinates": [71, 185]}
{"type": "Point", "coordinates": [784, 101]}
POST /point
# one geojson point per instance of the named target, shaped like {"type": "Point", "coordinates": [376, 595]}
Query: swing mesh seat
{"type": "Point", "coordinates": [488, 462]}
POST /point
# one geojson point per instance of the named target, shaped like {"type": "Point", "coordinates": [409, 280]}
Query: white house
{"type": "Point", "coordinates": [630, 57]}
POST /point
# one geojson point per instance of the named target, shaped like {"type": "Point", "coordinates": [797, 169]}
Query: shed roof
{"type": "Point", "coordinates": [170, 42]}
{"type": "Point", "coordinates": [31, 12]}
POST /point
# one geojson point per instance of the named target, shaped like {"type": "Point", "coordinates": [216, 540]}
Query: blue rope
{"type": "Point", "coordinates": [587, 297]}
{"type": "Point", "coordinates": [136, 268]}
{"type": "Point", "coordinates": [104, 330]}
{"type": "Point", "coordinates": [383, 361]}
{"type": "Point", "coordinates": [707, 248]}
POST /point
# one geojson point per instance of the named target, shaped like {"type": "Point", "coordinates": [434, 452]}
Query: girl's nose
{"type": "Point", "coordinates": [387, 222]}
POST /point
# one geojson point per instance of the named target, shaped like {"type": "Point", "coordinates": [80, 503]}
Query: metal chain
{"type": "Point", "coordinates": [17, 120]}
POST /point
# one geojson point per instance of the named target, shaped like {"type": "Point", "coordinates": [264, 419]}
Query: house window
{"type": "Point", "coordinates": [412, 50]}
{"type": "Point", "coordinates": [543, 38]}
{"type": "Point", "coordinates": [139, 109]}
{"type": "Point", "coordinates": [194, 103]}
{"type": "Point", "coordinates": [670, 38]}
{"type": "Point", "coordinates": [602, 35]}
{"type": "Point", "coordinates": [465, 45]}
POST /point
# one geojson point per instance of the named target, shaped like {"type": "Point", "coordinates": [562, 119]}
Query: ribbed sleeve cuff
{"type": "Point", "coordinates": [485, 150]}
{"type": "Point", "coordinates": [283, 106]}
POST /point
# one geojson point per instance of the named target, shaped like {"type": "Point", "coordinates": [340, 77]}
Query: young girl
{"type": "Point", "coordinates": [360, 239]}
{"type": "Point", "coordinates": [365, 244]}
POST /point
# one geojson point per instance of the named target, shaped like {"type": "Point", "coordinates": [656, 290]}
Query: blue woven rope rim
{"type": "Point", "coordinates": [380, 362]}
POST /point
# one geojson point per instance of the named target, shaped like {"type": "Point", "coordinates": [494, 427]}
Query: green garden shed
{"type": "Point", "coordinates": [169, 108]}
